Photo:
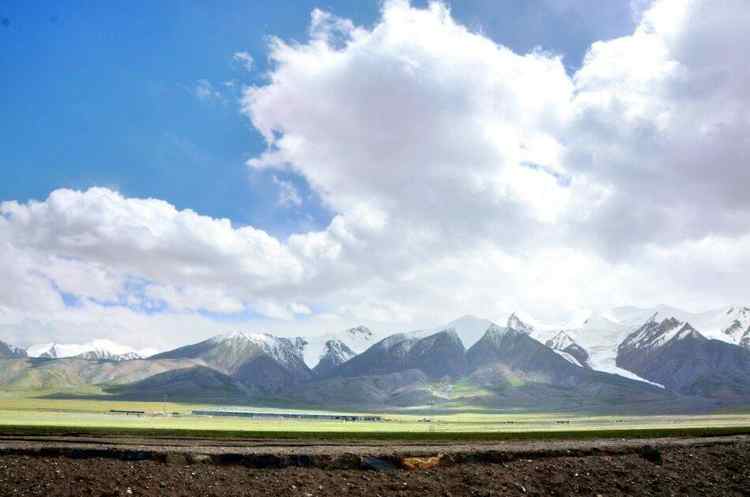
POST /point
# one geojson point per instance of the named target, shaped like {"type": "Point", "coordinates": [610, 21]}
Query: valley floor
{"type": "Point", "coordinates": [703, 466]}
{"type": "Point", "coordinates": [27, 411]}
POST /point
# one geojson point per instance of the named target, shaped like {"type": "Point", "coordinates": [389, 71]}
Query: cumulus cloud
{"type": "Point", "coordinates": [90, 243]}
{"type": "Point", "coordinates": [464, 177]}
{"type": "Point", "coordinates": [660, 123]}
{"type": "Point", "coordinates": [454, 142]}
{"type": "Point", "coordinates": [418, 116]}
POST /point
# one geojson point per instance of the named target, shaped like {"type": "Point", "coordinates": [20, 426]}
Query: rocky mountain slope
{"type": "Point", "coordinates": [229, 352]}
{"type": "Point", "coordinates": [506, 367]}
{"type": "Point", "coordinates": [258, 360]}
{"type": "Point", "coordinates": [730, 324]}
{"type": "Point", "coordinates": [336, 353]}
{"type": "Point", "coordinates": [67, 373]}
{"type": "Point", "coordinates": [437, 355]}
{"type": "Point", "coordinates": [523, 370]}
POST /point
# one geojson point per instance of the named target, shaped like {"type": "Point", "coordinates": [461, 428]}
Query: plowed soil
{"type": "Point", "coordinates": [721, 469]}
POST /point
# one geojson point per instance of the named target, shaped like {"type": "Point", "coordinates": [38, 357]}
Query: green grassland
{"type": "Point", "coordinates": [34, 413]}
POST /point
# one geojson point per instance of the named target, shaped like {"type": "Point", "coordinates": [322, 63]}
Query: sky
{"type": "Point", "coordinates": [173, 170]}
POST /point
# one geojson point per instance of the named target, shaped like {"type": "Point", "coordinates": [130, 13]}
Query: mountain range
{"type": "Point", "coordinates": [660, 359]}
{"type": "Point", "coordinates": [100, 349]}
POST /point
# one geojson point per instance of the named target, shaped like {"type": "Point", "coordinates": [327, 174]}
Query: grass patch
{"type": "Point", "coordinates": [364, 435]}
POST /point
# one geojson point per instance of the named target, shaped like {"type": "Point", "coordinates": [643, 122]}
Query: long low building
{"type": "Point", "coordinates": [288, 415]}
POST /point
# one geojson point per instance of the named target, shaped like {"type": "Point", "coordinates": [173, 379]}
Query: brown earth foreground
{"type": "Point", "coordinates": [72, 466]}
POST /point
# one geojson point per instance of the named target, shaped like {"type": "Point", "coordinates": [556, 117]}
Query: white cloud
{"type": "Point", "coordinates": [455, 142]}
{"type": "Point", "coordinates": [90, 243]}
{"type": "Point", "coordinates": [244, 59]}
{"type": "Point", "coordinates": [205, 91]}
{"type": "Point", "coordinates": [194, 298]}
{"type": "Point", "coordinates": [418, 117]}
{"type": "Point", "coordinates": [288, 194]}
{"type": "Point", "coordinates": [464, 178]}
{"type": "Point", "coordinates": [661, 119]}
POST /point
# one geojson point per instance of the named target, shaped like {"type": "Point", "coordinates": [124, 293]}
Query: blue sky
{"type": "Point", "coordinates": [103, 93]}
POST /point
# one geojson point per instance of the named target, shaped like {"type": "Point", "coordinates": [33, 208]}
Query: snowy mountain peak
{"type": "Point", "coordinates": [283, 350]}
{"type": "Point", "coordinates": [515, 323]}
{"type": "Point", "coordinates": [357, 339]}
{"type": "Point", "coordinates": [244, 336]}
{"type": "Point", "coordinates": [97, 350]}
{"type": "Point", "coordinates": [105, 355]}
{"type": "Point", "coordinates": [339, 351]}
{"type": "Point", "coordinates": [737, 327]}
{"type": "Point", "coordinates": [654, 334]}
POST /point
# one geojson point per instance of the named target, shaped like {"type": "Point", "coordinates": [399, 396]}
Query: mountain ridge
{"type": "Point", "coordinates": [512, 365]}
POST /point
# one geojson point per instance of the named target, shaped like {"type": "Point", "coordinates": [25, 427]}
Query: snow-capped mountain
{"type": "Point", "coordinates": [729, 324]}
{"type": "Point", "coordinates": [103, 355]}
{"type": "Point", "coordinates": [470, 329]}
{"type": "Point", "coordinates": [678, 356]}
{"type": "Point", "coordinates": [654, 334]}
{"type": "Point", "coordinates": [283, 350]}
{"type": "Point", "coordinates": [232, 351]}
{"type": "Point", "coordinates": [356, 339]}
{"type": "Point", "coordinates": [100, 349]}
{"type": "Point", "coordinates": [599, 334]}
{"type": "Point", "coordinates": [257, 360]}
{"type": "Point", "coordinates": [8, 351]}
{"type": "Point", "coordinates": [739, 327]}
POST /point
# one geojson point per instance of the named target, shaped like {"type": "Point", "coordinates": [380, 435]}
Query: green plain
{"type": "Point", "coordinates": [30, 412]}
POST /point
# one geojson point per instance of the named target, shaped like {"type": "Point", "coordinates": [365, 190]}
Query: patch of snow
{"type": "Point", "coordinates": [283, 350]}
{"type": "Point", "coordinates": [600, 334]}
{"type": "Point", "coordinates": [96, 349]}
{"type": "Point", "coordinates": [338, 350]}
{"type": "Point", "coordinates": [568, 357]}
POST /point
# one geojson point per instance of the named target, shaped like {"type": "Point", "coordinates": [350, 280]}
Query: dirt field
{"type": "Point", "coordinates": [715, 466]}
